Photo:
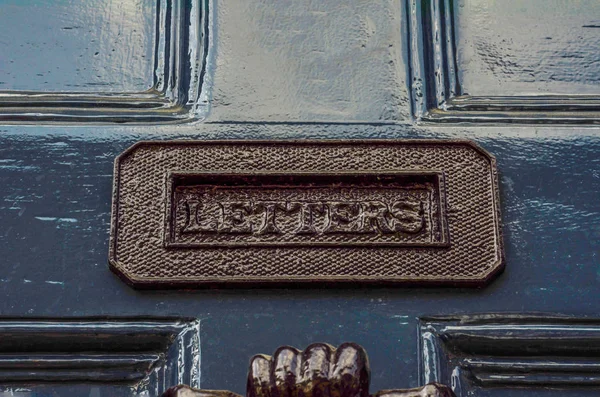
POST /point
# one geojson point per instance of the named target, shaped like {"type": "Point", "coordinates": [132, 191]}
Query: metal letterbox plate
{"type": "Point", "coordinates": [198, 213]}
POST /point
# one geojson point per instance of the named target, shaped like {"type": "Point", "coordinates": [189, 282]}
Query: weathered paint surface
{"type": "Point", "coordinates": [290, 70]}
{"type": "Point", "coordinates": [57, 265]}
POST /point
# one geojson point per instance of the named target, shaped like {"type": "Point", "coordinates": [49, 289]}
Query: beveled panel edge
{"type": "Point", "coordinates": [146, 283]}
{"type": "Point", "coordinates": [509, 350]}
{"type": "Point", "coordinates": [437, 94]}
{"type": "Point", "coordinates": [173, 98]}
{"type": "Point", "coordinates": [140, 352]}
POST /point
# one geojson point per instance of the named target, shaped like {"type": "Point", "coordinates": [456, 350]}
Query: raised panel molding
{"type": "Point", "coordinates": [138, 357]}
{"type": "Point", "coordinates": [181, 46]}
{"type": "Point", "coordinates": [436, 91]}
{"type": "Point", "coordinates": [481, 353]}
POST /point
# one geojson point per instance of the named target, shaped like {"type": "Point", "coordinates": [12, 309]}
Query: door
{"type": "Point", "coordinates": [82, 81]}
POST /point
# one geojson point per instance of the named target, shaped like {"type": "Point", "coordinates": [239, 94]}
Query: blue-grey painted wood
{"type": "Point", "coordinates": [289, 70]}
{"type": "Point", "coordinates": [477, 354]}
{"type": "Point", "coordinates": [112, 357]}
{"type": "Point", "coordinates": [56, 205]}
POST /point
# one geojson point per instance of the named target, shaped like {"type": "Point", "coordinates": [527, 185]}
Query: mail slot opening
{"type": "Point", "coordinates": [332, 209]}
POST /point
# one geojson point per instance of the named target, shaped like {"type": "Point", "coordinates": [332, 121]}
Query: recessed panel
{"type": "Point", "coordinates": [512, 354]}
{"type": "Point", "coordinates": [533, 47]}
{"type": "Point", "coordinates": [77, 45]}
{"type": "Point", "coordinates": [108, 61]}
{"type": "Point", "coordinates": [97, 357]}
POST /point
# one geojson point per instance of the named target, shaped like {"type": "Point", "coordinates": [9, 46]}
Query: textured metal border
{"type": "Point", "coordinates": [289, 281]}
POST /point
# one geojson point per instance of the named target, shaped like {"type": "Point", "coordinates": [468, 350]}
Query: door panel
{"type": "Point", "coordinates": [292, 70]}
{"type": "Point", "coordinates": [478, 61]}
{"type": "Point", "coordinates": [478, 354]}
{"type": "Point", "coordinates": [515, 48]}
{"type": "Point", "coordinates": [107, 47]}
{"type": "Point", "coordinates": [97, 357]}
{"type": "Point", "coordinates": [550, 237]}
{"type": "Point", "coordinates": [112, 62]}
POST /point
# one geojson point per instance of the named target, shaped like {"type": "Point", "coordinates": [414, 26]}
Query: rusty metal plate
{"type": "Point", "coordinates": [198, 213]}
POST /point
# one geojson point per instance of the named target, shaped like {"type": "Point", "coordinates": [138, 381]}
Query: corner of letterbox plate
{"type": "Point", "coordinates": [119, 270]}
{"type": "Point", "coordinates": [115, 266]}
{"type": "Point", "coordinates": [138, 283]}
{"type": "Point", "coordinates": [498, 269]}
{"type": "Point", "coordinates": [500, 264]}
{"type": "Point", "coordinates": [479, 149]}
{"type": "Point", "coordinates": [142, 283]}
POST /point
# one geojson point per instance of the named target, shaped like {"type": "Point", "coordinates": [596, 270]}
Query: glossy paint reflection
{"type": "Point", "coordinates": [518, 47]}
{"type": "Point", "coordinates": [77, 45]}
{"type": "Point", "coordinates": [292, 70]}
{"type": "Point", "coordinates": [550, 179]}
{"type": "Point", "coordinates": [309, 60]}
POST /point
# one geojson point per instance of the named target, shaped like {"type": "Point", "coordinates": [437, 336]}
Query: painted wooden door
{"type": "Point", "coordinates": [81, 81]}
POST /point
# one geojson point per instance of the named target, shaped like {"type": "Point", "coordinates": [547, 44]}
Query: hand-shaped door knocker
{"type": "Point", "coordinates": [319, 371]}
